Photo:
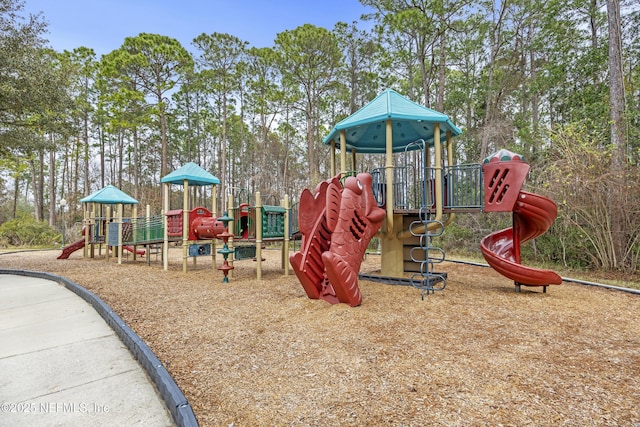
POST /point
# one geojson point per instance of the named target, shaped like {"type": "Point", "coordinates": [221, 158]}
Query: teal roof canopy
{"type": "Point", "coordinates": [109, 195]}
{"type": "Point", "coordinates": [365, 130]}
{"type": "Point", "coordinates": [192, 173]}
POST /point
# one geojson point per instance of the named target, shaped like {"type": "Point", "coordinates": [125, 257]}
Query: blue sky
{"type": "Point", "coordinates": [103, 24]}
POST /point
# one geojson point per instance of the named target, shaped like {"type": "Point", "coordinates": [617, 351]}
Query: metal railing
{"type": "Point", "coordinates": [415, 188]}
{"type": "Point", "coordinates": [463, 185]}
{"type": "Point", "coordinates": [408, 189]}
{"type": "Point", "coordinates": [294, 227]}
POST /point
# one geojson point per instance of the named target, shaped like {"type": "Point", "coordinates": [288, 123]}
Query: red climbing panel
{"type": "Point", "coordinates": [337, 225]}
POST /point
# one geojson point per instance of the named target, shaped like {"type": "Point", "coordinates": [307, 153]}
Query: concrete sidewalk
{"type": "Point", "coordinates": [61, 364]}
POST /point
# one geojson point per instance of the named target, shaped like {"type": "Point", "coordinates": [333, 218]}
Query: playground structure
{"type": "Point", "coordinates": [421, 190]}
{"type": "Point", "coordinates": [195, 229]}
{"type": "Point", "coordinates": [408, 202]}
{"type": "Point", "coordinates": [255, 225]}
{"type": "Point", "coordinates": [103, 230]}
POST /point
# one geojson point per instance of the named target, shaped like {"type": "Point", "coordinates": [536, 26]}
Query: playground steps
{"type": "Point", "coordinates": [426, 255]}
{"type": "Point", "coordinates": [414, 246]}
{"type": "Point", "coordinates": [410, 243]}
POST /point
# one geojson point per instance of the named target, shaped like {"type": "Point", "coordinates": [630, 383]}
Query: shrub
{"type": "Point", "coordinates": [26, 231]}
{"type": "Point", "coordinates": [597, 202]}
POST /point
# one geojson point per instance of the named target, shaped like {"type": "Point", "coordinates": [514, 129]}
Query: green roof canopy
{"type": "Point", "coordinates": [194, 175]}
{"type": "Point", "coordinates": [110, 195]}
{"type": "Point", "coordinates": [365, 130]}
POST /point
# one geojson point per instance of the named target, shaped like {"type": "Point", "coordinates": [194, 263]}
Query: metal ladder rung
{"type": "Point", "coordinates": [426, 252]}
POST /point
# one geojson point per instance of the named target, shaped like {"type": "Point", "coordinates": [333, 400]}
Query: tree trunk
{"type": "Point", "coordinates": [16, 188]}
{"type": "Point", "coordinates": [102, 157]}
{"type": "Point", "coordinates": [535, 107]}
{"type": "Point", "coordinates": [86, 189]}
{"type": "Point", "coordinates": [120, 156]}
{"type": "Point", "coordinates": [163, 138]}
{"type": "Point", "coordinates": [313, 172]}
{"type": "Point", "coordinates": [223, 146]}
{"type": "Point", "coordinates": [74, 174]}
{"type": "Point", "coordinates": [41, 183]}
{"type": "Point", "coordinates": [37, 175]}
{"type": "Point", "coordinates": [425, 79]}
{"type": "Point", "coordinates": [619, 231]}
{"type": "Point", "coordinates": [592, 10]}
{"type": "Point", "coordinates": [496, 44]}
{"type": "Point", "coordinates": [136, 166]}
{"type": "Point", "coordinates": [36, 196]}
{"type": "Point", "coordinates": [52, 184]}
{"type": "Point", "coordinates": [616, 84]}
{"type": "Point", "coordinates": [442, 71]}
{"type": "Point", "coordinates": [65, 177]}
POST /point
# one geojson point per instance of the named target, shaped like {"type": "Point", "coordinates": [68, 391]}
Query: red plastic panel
{"type": "Point", "coordinates": [337, 225]}
{"type": "Point", "coordinates": [502, 184]}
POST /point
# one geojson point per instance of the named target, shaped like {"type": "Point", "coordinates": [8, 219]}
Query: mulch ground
{"type": "Point", "coordinates": [260, 353]}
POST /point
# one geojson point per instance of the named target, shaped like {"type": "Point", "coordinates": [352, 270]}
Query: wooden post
{"type": "Point", "coordinates": [100, 226]}
{"type": "Point", "coordinates": [392, 251]}
{"type": "Point", "coordinates": [147, 228]}
{"type": "Point", "coordinates": [119, 226]}
{"type": "Point", "coordinates": [92, 230]}
{"type": "Point", "coordinates": [147, 232]}
{"type": "Point", "coordinates": [287, 232]}
{"type": "Point", "coordinates": [107, 220]}
{"type": "Point", "coordinates": [165, 246]}
{"type": "Point", "coordinates": [259, 235]}
{"type": "Point", "coordinates": [449, 149]}
{"type": "Point", "coordinates": [86, 225]}
{"type": "Point", "coordinates": [353, 160]}
{"type": "Point", "coordinates": [391, 261]}
{"type": "Point", "coordinates": [333, 157]}
{"type": "Point", "coordinates": [231, 228]}
{"type": "Point", "coordinates": [437, 148]}
{"type": "Point", "coordinates": [134, 226]}
{"type": "Point", "coordinates": [389, 179]}
{"type": "Point", "coordinates": [214, 213]}
{"type": "Point", "coordinates": [185, 226]}
{"type": "Point", "coordinates": [343, 153]}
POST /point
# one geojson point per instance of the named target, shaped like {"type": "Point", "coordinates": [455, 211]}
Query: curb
{"type": "Point", "coordinates": [180, 409]}
{"type": "Point", "coordinates": [564, 279]}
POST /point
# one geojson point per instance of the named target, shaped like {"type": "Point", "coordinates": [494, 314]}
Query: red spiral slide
{"type": "Point", "coordinates": [533, 215]}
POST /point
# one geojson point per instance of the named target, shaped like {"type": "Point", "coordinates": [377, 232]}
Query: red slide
{"type": "Point", "coordinates": [532, 216]}
{"type": "Point", "coordinates": [504, 173]}
{"type": "Point", "coordinates": [130, 249]}
{"type": "Point", "coordinates": [71, 249]}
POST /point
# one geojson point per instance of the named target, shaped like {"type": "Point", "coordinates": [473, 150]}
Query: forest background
{"type": "Point", "coordinates": [556, 81]}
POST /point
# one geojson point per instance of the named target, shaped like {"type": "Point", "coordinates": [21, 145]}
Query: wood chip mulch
{"type": "Point", "coordinates": [260, 353]}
